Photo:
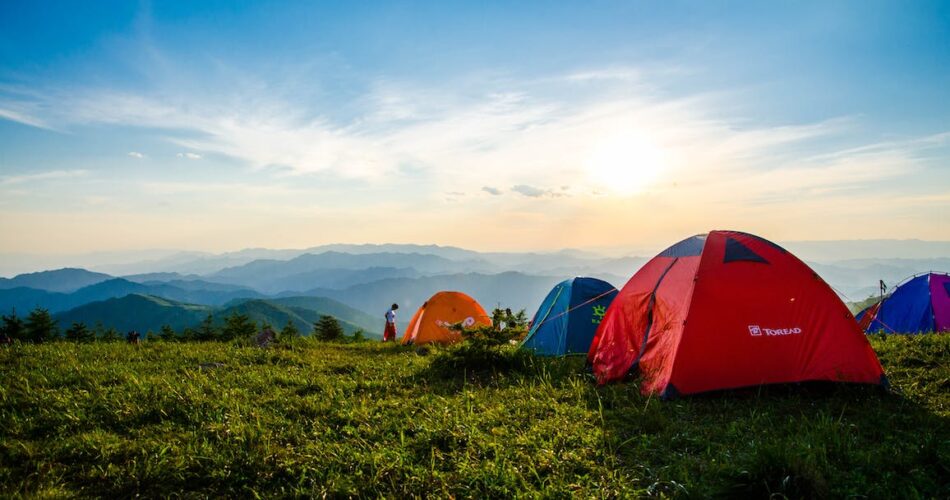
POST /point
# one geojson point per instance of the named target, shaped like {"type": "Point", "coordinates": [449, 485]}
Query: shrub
{"type": "Point", "coordinates": [484, 350]}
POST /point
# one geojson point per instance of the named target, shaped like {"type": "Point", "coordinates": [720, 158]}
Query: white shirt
{"type": "Point", "coordinates": [391, 316]}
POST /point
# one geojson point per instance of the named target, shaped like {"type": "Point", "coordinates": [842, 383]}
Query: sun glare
{"type": "Point", "coordinates": [625, 164]}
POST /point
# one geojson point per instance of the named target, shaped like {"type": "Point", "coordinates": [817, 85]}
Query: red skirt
{"type": "Point", "coordinates": [389, 333]}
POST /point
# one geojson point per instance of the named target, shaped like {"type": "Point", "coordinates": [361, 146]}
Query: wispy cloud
{"type": "Point", "coordinates": [136, 154]}
{"type": "Point", "coordinates": [41, 176]}
{"type": "Point", "coordinates": [529, 191]}
{"type": "Point", "coordinates": [524, 124]}
{"type": "Point", "coordinates": [20, 117]}
{"type": "Point", "coordinates": [549, 128]}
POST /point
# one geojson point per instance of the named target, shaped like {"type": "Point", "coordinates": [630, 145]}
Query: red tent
{"type": "Point", "coordinates": [729, 309]}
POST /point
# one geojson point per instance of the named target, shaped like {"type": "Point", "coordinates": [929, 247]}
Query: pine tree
{"type": "Point", "coordinates": [13, 327]}
{"type": "Point", "coordinates": [206, 330]}
{"type": "Point", "coordinates": [79, 333]}
{"type": "Point", "coordinates": [188, 335]}
{"type": "Point", "coordinates": [328, 329]}
{"type": "Point", "coordinates": [98, 331]}
{"type": "Point", "coordinates": [237, 326]}
{"type": "Point", "coordinates": [111, 335]}
{"type": "Point", "coordinates": [289, 332]}
{"type": "Point", "coordinates": [520, 320]}
{"type": "Point", "coordinates": [168, 334]}
{"type": "Point", "coordinates": [359, 335]}
{"type": "Point", "coordinates": [40, 326]}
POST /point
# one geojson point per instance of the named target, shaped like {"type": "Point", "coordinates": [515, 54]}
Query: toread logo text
{"type": "Point", "coordinates": [757, 331]}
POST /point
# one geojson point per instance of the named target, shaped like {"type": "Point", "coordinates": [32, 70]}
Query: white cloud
{"type": "Point", "coordinates": [136, 154]}
{"type": "Point", "coordinates": [529, 191]}
{"type": "Point", "coordinates": [471, 136]}
{"type": "Point", "coordinates": [21, 117]}
{"type": "Point", "coordinates": [41, 176]}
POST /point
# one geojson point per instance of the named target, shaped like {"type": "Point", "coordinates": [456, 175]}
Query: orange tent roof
{"type": "Point", "coordinates": [431, 321]}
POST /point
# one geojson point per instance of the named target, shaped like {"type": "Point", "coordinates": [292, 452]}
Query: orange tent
{"type": "Point", "coordinates": [431, 321]}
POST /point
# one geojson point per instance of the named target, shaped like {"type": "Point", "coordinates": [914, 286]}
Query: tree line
{"type": "Point", "coordinates": [39, 327]}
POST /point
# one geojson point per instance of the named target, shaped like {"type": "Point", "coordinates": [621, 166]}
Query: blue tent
{"type": "Point", "coordinates": [919, 305]}
{"type": "Point", "coordinates": [568, 317]}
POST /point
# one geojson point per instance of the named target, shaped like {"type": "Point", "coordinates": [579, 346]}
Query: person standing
{"type": "Point", "coordinates": [390, 332]}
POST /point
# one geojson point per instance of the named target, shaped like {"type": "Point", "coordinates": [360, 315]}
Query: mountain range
{"type": "Point", "coordinates": [269, 284]}
{"type": "Point", "coordinates": [24, 298]}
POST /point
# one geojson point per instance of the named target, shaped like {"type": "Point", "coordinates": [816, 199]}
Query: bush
{"type": "Point", "coordinates": [484, 350]}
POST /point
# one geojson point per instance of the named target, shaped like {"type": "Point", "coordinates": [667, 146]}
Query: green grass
{"type": "Point", "coordinates": [374, 420]}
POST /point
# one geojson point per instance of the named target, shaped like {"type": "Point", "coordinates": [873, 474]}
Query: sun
{"type": "Point", "coordinates": [625, 164]}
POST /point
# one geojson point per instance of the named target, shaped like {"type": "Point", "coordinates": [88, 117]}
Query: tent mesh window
{"type": "Point", "coordinates": [690, 247]}
{"type": "Point", "coordinates": [737, 252]}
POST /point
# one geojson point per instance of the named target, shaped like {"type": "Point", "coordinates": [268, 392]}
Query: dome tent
{"type": "Point", "coordinates": [919, 305]}
{"type": "Point", "coordinates": [568, 317]}
{"type": "Point", "coordinates": [432, 321]}
{"type": "Point", "coordinates": [725, 310]}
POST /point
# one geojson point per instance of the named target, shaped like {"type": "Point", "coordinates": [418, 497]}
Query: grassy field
{"type": "Point", "coordinates": [370, 420]}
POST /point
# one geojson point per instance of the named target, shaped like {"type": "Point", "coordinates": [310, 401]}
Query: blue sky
{"type": "Point", "coordinates": [538, 125]}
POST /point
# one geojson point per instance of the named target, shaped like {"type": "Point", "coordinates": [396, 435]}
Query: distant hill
{"type": "Point", "coordinates": [830, 251]}
{"type": "Point", "coordinates": [23, 300]}
{"type": "Point", "coordinates": [277, 315]}
{"type": "Point", "coordinates": [856, 279]}
{"type": "Point", "coordinates": [26, 299]}
{"type": "Point", "coordinates": [162, 277]}
{"type": "Point", "coordinates": [336, 269]}
{"type": "Point", "coordinates": [148, 313]}
{"type": "Point", "coordinates": [136, 312]}
{"type": "Point", "coordinates": [61, 280]}
{"type": "Point", "coordinates": [274, 281]}
{"type": "Point", "coordinates": [198, 285]}
{"type": "Point", "coordinates": [511, 289]}
{"type": "Point", "coordinates": [343, 312]}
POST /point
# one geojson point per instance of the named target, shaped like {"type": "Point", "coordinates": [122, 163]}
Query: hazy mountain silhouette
{"type": "Point", "coordinates": [59, 280]}
{"type": "Point", "coordinates": [510, 289]}
{"type": "Point", "coordinates": [269, 274]}
{"type": "Point", "coordinates": [26, 299]}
